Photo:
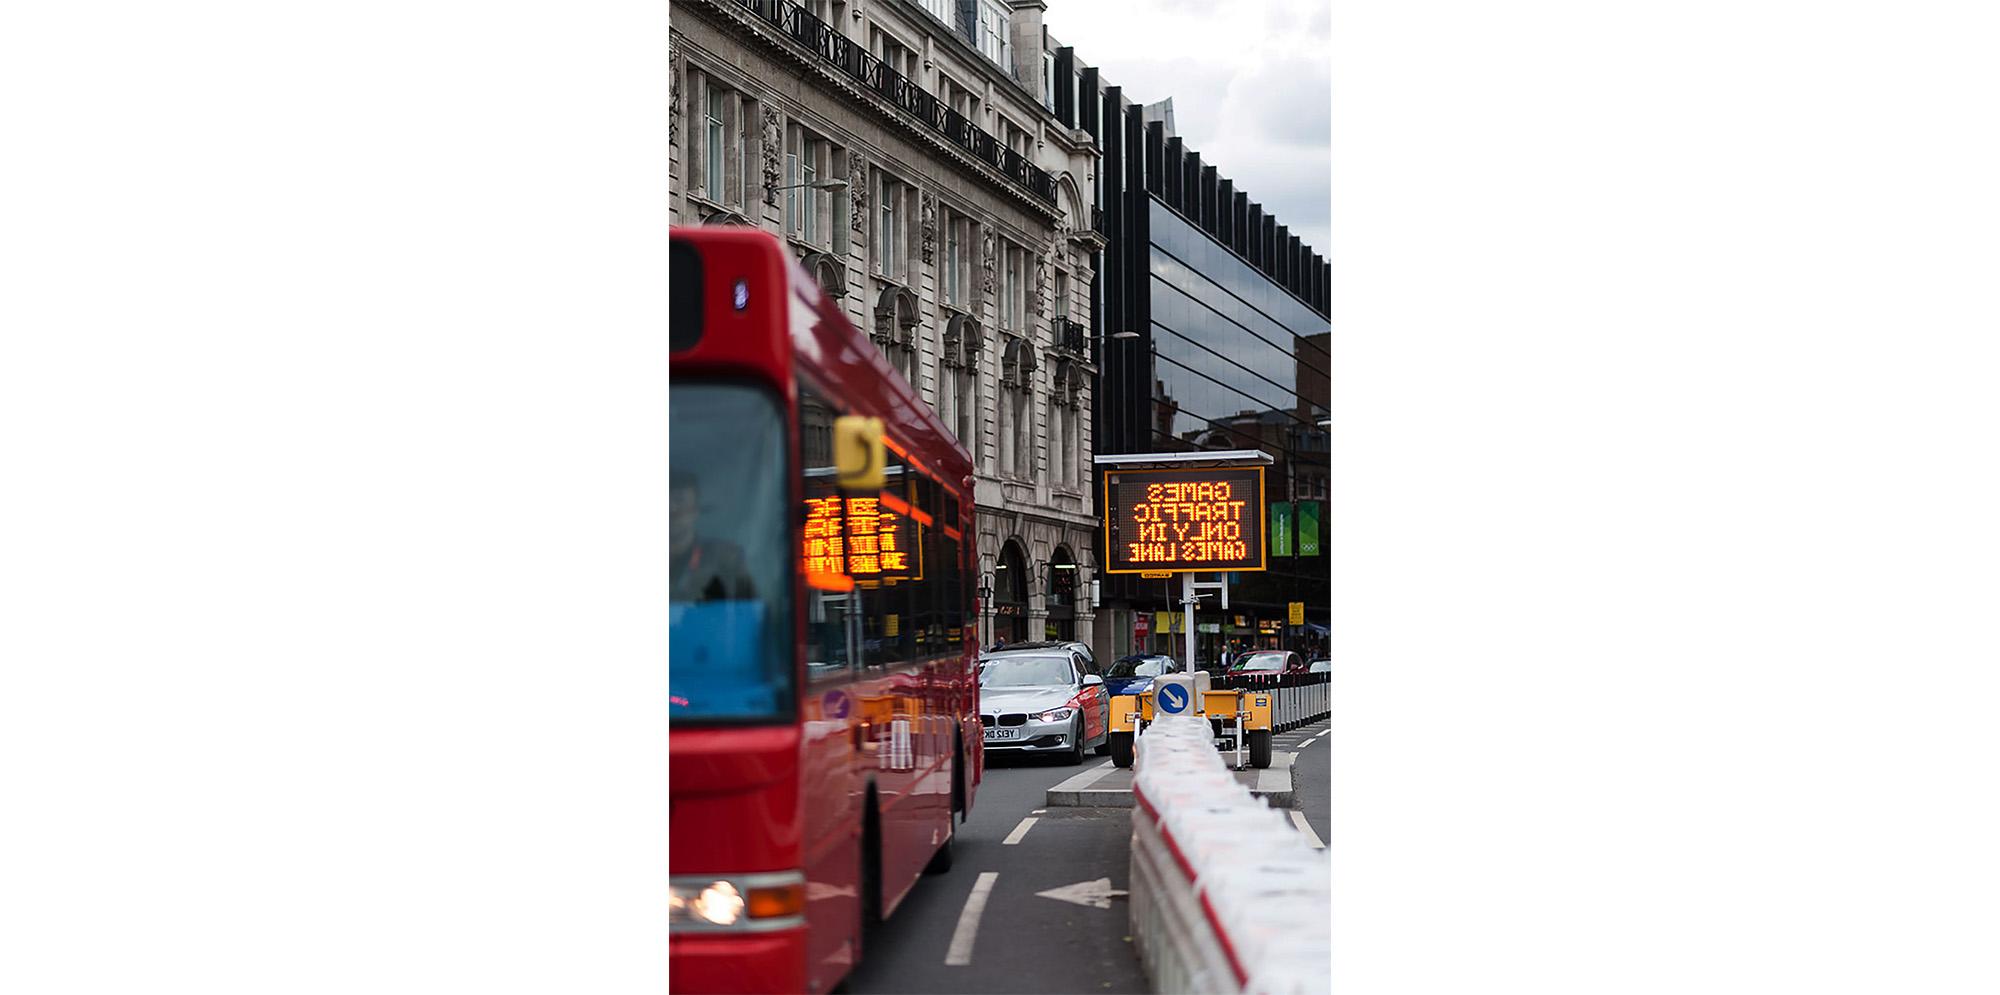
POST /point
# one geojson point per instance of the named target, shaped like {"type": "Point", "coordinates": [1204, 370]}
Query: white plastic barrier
{"type": "Point", "coordinates": [1226, 895]}
{"type": "Point", "coordinates": [1292, 707]}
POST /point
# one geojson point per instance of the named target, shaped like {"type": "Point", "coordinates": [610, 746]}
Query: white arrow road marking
{"type": "Point", "coordinates": [960, 953]}
{"type": "Point", "coordinates": [1019, 831]}
{"type": "Point", "coordinates": [1096, 894]}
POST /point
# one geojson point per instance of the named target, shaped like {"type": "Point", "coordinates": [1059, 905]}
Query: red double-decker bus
{"type": "Point", "coordinates": [823, 692]}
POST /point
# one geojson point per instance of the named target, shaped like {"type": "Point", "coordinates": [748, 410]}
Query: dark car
{"type": "Point", "coordinates": [1268, 662]}
{"type": "Point", "coordinates": [1134, 674]}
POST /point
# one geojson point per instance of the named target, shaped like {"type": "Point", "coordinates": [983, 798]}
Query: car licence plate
{"type": "Point", "coordinates": [1003, 734]}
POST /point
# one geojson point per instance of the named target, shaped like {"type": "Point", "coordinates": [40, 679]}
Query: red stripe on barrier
{"type": "Point", "coordinates": [1222, 936]}
{"type": "Point", "coordinates": [1187, 870]}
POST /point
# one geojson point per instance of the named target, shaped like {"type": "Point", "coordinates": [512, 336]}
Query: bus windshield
{"type": "Point", "coordinates": [729, 601]}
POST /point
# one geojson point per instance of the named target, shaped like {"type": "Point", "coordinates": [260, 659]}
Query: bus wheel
{"type": "Point", "coordinates": [1260, 748]}
{"type": "Point", "coordinates": [1121, 749]}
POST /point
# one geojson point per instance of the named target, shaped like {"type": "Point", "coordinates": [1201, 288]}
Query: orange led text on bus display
{"type": "Point", "coordinates": [860, 538]}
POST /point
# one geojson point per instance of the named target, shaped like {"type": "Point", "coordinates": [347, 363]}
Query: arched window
{"type": "Point", "coordinates": [1062, 588]}
{"type": "Point", "coordinates": [896, 329]}
{"type": "Point", "coordinates": [1024, 412]}
{"type": "Point", "coordinates": [1010, 594]}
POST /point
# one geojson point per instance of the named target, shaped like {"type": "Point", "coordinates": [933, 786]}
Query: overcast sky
{"type": "Point", "coordinates": [1251, 83]}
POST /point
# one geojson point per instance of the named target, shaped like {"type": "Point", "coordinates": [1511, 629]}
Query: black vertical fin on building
{"type": "Point", "coordinates": [1225, 196]}
{"type": "Point", "coordinates": [1171, 178]}
{"type": "Point", "coordinates": [1253, 227]}
{"type": "Point", "coordinates": [1319, 283]}
{"type": "Point", "coordinates": [1138, 279]}
{"type": "Point", "coordinates": [1208, 184]}
{"type": "Point", "coordinates": [1270, 241]}
{"type": "Point", "coordinates": [1066, 86]}
{"type": "Point", "coordinates": [1090, 105]}
{"type": "Point", "coordinates": [1191, 187]}
{"type": "Point", "coordinates": [1239, 220]}
{"type": "Point", "coordinates": [1296, 283]}
{"type": "Point", "coordinates": [1281, 258]}
{"type": "Point", "coordinates": [1156, 141]}
{"type": "Point", "coordinates": [1111, 182]}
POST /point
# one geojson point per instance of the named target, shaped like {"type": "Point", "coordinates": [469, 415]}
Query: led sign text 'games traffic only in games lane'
{"type": "Point", "coordinates": [1185, 519]}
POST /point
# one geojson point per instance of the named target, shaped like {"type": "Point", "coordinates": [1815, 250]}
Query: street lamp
{"type": "Point", "coordinates": [816, 185]}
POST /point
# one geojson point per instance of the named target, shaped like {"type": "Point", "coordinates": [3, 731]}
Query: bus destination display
{"type": "Point", "coordinates": [1184, 520]}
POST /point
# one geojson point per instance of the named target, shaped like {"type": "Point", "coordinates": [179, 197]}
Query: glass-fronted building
{"type": "Point", "coordinates": [1230, 351]}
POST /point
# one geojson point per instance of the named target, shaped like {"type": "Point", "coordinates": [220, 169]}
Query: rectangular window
{"type": "Point", "coordinates": [809, 197]}
{"type": "Point", "coordinates": [889, 227]}
{"type": "Point", "coordinates": [995, 28]}
{"type": "Point", "coordinates": [1010, 293]}
{"type": "Point", "coordinates": [1049, 81]}
{"type": "Point", "coordinates": [940, 9]}
{"type": "Point", "coordinates": [952, 286]}
{"type": "Point", "coordinates": [792, 192]}
{"type": "Point", "coordinates": [746, 135]}
{"type": "Point", "coordinates": [1062, 294]}
{"type": "Point", "coordinates": [712, 180]}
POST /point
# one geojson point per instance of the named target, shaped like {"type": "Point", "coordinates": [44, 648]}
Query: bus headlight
{"type": "Point", "coordinates": [719, 903]}
{"type": "Point", "coordinates": [740, 902]}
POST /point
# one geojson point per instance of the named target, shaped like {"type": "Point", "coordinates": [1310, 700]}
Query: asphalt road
{"type": "Point", "coordinates": [1312, 780]}
{"type": "Point", "coordinates": [1022, 941]}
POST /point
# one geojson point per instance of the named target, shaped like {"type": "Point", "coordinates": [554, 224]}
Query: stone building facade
{"type": "Point", "coordinates": [963, 239]}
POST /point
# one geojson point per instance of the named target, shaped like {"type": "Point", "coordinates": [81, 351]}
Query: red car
{"type": "Point", "coordinates": [1268, 662]}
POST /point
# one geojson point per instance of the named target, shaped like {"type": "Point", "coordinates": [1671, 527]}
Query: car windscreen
{"type": "Point", "coordinates": [1261, 661]}
{"type": "Point", "coordinates": [1024, 671]}
{"type": "Point", "coordinates": [729, 603]}
{"type": "Point", "coordinates": [1139, 666]}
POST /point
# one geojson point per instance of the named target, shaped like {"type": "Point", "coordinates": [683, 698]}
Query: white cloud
{"type": "Point", "coordinates": [1250, 81]}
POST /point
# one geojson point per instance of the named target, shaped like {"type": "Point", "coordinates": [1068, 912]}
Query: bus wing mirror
{"type": "Point", "coordinates": [857, 452]}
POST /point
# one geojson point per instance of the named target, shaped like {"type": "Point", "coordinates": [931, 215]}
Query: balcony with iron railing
{"type": "Point", "coordinates": [819, 37]}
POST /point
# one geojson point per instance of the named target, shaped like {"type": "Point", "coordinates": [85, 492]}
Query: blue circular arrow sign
{"type": "Point", "coordinates": [1173, 699]}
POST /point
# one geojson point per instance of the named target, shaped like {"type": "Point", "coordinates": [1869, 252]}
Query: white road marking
{"type": "Point", "coordinates": [960, 953]}
{"type": "Point", "coordinates": [1085, 779]}
{"type": "Point", "coordinates": [1096, 894]}
{"type": "Point", "coordinates": [1019, 831]}
{"type": "Point", "coordinates": [1036, 811]}
{"type": "Point", "coordinates": [1306, 828]}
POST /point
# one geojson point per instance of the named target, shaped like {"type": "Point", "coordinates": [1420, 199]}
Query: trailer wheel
{"type": "Point", "coordinates": [1260, 748]}
{"type": "Point", "coordinates": [1121, 749]}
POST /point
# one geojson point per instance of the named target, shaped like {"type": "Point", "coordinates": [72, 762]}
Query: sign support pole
{"type": "Point", "coordinates": [1188, 602]}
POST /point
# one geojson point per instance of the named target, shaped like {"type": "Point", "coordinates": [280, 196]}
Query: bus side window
{"type": "Point", "coordinates": [830, 613]}
{"type": "Point", "coordinates": [924, 593]}
{"type": "Point", "coordinates": [885, 623]}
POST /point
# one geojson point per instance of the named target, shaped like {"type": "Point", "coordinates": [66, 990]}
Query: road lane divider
{"type": "Point", "coordinates": [1306, 828]}
{"type": "Point", "coordinates": [1226, 894]}
{"type": "Point", "coordinates": [962, 938]}
{"type": "Point", "coordinates": [1019, 831]}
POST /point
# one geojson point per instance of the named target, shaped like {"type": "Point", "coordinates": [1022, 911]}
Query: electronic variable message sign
{"type": "Point", "coordinates": [1206, 520]}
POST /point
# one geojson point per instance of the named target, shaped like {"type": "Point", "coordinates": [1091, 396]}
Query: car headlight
{"type": "Point", "coordinates": [739, 902]}
{"type": "Point", "coordinates": [1056, 714]}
